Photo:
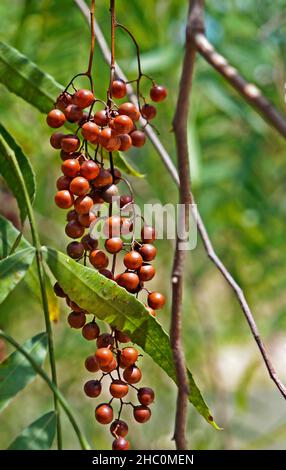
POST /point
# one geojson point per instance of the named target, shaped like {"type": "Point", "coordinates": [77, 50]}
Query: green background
{"type": "Point", "coordinates": [238, 176]}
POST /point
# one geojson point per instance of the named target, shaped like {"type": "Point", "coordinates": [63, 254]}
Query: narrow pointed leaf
{"type": "Point", "coordinates": [16, 372]}
{"type": "Point", "coordinates": [13, 269]}
{"type": "Point", "coordinates": [39, 435]}
{"type": "Point", "coordinates": [114, 305]}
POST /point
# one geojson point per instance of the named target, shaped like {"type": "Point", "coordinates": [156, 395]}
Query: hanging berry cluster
{"type": "Point", "coordinates": [86, 182]}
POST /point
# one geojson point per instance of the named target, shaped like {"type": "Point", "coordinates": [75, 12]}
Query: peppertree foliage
{"type": "Point", "coordinates": [226, 158]}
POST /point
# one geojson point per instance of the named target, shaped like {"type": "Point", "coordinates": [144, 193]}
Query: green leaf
{"type": "Point", "coordinates": [8, 235]}
{"type": "Point", "coordinates": [8, 150]}
{"type": "Point", "coordinates": [16, 372]}
{"type": "Point", "coordinates": [39, 435]}
{"type": "Point", "coordinates": [25, 79]}
{"type": "Point", "coordinates": [13, 269]}
{"type": "Point", "coordinates": [114, 305]}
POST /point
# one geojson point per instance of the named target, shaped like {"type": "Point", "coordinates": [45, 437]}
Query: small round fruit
{"type": "Point", "coordinates": [104, 178]}
{"type": "Point", "coordinates": [123, 124]}
{"type": "Point", "coordinates": [110, 194]}
{"type": "Point", "coordinates": [148, 234]}
{"type": "Point", "coordinates": [132, 374]}
{"type": "Point", "coordinates": [91, 364]}
{"type": "Point", "coordinates": [98, 259]}
{"type": "Point", "coordinates": [125, 142]}
{"type": "Point", "coordinates": [118, 389]}
{"type": "Point", "coordinates": [83, 98]}
{"type": "Point", "coordinates": [118, 89]}
{"type": "Point", "coordinates": [56, 118]}
{"type": "Point", "coordinates": [90, 131]}
{"type": "Point", "coordinates": [79, 186]}
{"type": "Point", "coordinates": [89, 170]}
{"type": "Point", "coordinates": [109, 139]}
{"type": "Point", "coordinates": [104, 413]}
{"type": "Point", "coordinates": [63, 182]}
{"type": "Point", "coordinates": [141, 413]}
{"type": "Point", "coordinates": [122, 337]}
{"type": "Point", "coordinates": [101, 118]}
{"type": "Point", "coordinates": [130, 281]}
{"type": "Point", "coordinates": [114, 245]}
{"type": "Point", "coordinates": [148, 111]}
{"type": "Point", "coordinates": [148, 252]}
{"type": "Point", "coordinates": [74, 230]}
{"type": "Point", "coordinates": [83, 204]}
{"type": "Point", "coordinates": [138, 138]}
{"type": "Point", "coordinates": [63, 100]}
{"type": "Point", "coordinates": [76, 319]}
{"type": "Point", "coordinates": [126, 227]}
{"type": "Point", "coordinates": [90, 331]}
{"type": "Point", "coordinates": [158, 93]}
{"type": "Point", "coordinates": [129, 355]}
{"type": "Point", "coordinates": [70, 167]}
{"type": "Point", "coordinates": [146, 272]}
{"type": "Point", "coordinates": [59, 291]}
{"type": "Point", "coordinates": [64, 199]}
{"type": "Point", "coordinates": [119, 428]}
{"type": "Point", "coordinates": [110, 367]}
{"type": "Point", "coordinates": [133, 260]}
{"type": "Point", "coordinates": [56, 140]}
{"type": "Point", "coordinates": [106, 273]}
{"type": "Point", "coordinates": [73, 113]}
{"type": "Point", "coordinates": [116, 175]}
{"type": "Point", "coordinates": [70, 143]}
{"type": "Point", "coordinates": [146, 396]}
{"type": "Point", "coordinates": [129, 109]}
{"type": "Point", "coordinates": [72, 215]}
{"type": "Point", "coordinates": [86, 219]}
{"type": "Point", "coordinates": [104, 340]}
{"type": "Point", "coordinates": [75, 250]}
{"type": "Point", "coordinates": [156, 300]}
{"type": "Point", "coordinates": [112, 226]}
{"type": "Point", "coordinates": [92, 388]}
{"type": "Point", "coordinates": [103, 356]}
{"type": "Point", "coordinates": [89, 243]}
{"type": "Point", "coordinates": [120, 444]}
{"type": "Point", "coordinates": [124, 200]}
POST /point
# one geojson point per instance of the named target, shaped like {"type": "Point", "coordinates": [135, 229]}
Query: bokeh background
{"type": "Point", "coordinates": [238, 175]}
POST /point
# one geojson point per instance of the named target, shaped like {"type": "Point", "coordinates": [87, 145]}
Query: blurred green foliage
{"type": "Point", "coordinates": [238, 176]}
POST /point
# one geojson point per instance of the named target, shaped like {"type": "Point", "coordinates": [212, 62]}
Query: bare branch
{"type": "Point", "coordinates": [166, 159]}
{"type": "Point", "coordinates": [249, 91]}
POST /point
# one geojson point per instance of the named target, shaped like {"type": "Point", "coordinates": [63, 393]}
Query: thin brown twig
{"type": "Point", "coordinates": [112, 53]}
{"type": "Point", "coordinates": [167, 161]}
{"type": "Point", "coordinates": [92, 39]}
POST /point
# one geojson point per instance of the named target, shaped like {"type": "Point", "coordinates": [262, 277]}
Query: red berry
{"type": "Point", "coordinates": [72, 215]}
{"type": "Point", "coordinates": [146, 396]}
{"type": "Point", "coordinates": [90, 331]}
{"type": "Point", "coordinates": [90, 131]}
{"type": "Point", "coordinates": [146, 272]}
{"type": "Point", "coordinates": [86, 219]}
{"type": "Point", "coordinates": [120, 444]}
{"type": "Point", "coordinates": [56, 118]}
{"type": "Point", "coordinates": [148, 111]}
{"type": "Point", "coordinates": [83, 98]}
{"type": "Point", "coordinates": [125, 142]}
{"type": "Point", "coordinates": [129, 109]}
{"type": "Point", "coordinates": [110, 194]}
{"type": "Point", "coordinates": [70, 143]}
{"type": "Point", "coordinates": [158, 93]}
{"type": "Point", "coordinates": [138, 138]}
{"type": "Point", "coordinates": [104, 413]}
{"type": "Point", "coordinates": [104, 178]}
{"type": "Point", "coordinates": [89, 243]}
{"type": "Point", "coordinates": [123, 124]}
{"type": "Point", "coordinates": [130, 281]}
{"type": "Point", "coordinates": [132, 374]}
{"type": "Point", "coordinates": [104, 340]}
{"type": "Point", "coordinates": [118, 389]}
{"type": "Point", "coordinates": [73, 113]}
{"type": "Point", "coordinates": [101, 118]}
{"type": "Point", "coordinates": [112, 226]}
{"type": "Point", "coordinates": [56, 140]}
{"type": "Point", "coordinates": [106, 273]}
{"type": "Point", "coordinates": [156, 300]}
{"type": "Point", "coordinates": [79, 186]}
{"type": "Point", "coordinates": [141, 413]}
{"type": "Point", "coordinates": [63, 100]}
{"type": "Point", "coordinates": [64, 199]}
{"type": "Point", "coordinates": [89, 170]}
{"type": "Point", "coordinates": [133, 260]}
{"type": "Point", "coordinates": [124, 200]}
{"type": "Point", "coordinates": [92, 388]}
{"type": "Point", "coordinates": [122, 337]}
{"type": "Point", "coordinates": [70, 167]}
{"type": "Point", "coordinates": [129, 355]}
{"type": "Point", "coordinates": [75, 250]}
{"type": "Point", "coordinates": [110, 367]}
{"type": "Point", "coordinates": [83, 204]}
{"type": "Point", "coordinates": [103, 356]}
{"type": "Point", "coordinates": [118, 89]}
{"type": "Point", "coordinates": [76, 319]}
{"type": "Point", "coordinates": [63, 182]}
{"type": "Point", "coordinates": [148, 234]}
{"type": "Point", "coordinates": [98, 259]}
{"type": "Point", "coordinates": [74, 230]}
{"type": "Point", "coordinates": [109, 139]}
{"type": "Point", "coordinates": [58, 290]}
{"type": "Point", "coordinates": [119, 428]}
{"type": "Point", "coordinates": [91, 364]}
{"type": "Point", "coordinates": [113, 245]}
{"type": "Point", "coordinates": [148, 252]}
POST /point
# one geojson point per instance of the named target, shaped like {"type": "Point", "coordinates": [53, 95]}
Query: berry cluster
{"type": "Point", "coordinates": [86, 187]}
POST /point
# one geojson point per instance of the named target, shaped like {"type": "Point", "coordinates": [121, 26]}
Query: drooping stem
{"type": "Point", "coordinates": [112, 54]}
{"type": "Point", "coordinates": [41, 276]}
{"type": "Point", "coordinates": [92, 39]}
{"type": "Point", "coordinates": [83, 442]}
